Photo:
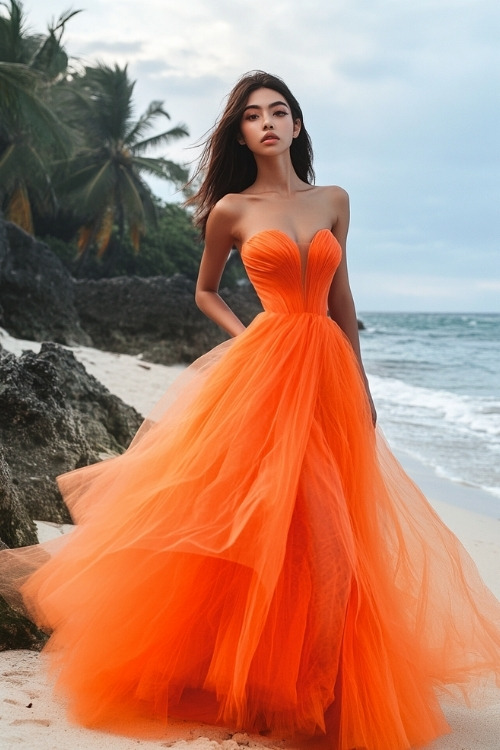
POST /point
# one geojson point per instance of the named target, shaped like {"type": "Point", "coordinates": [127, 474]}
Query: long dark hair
{"type": "Point", "coordinates": [227, 167]}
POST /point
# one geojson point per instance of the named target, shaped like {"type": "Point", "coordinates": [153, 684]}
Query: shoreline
{"type": "Point", "coordinates": [479, 532]}
{"type": "Point", "coordinates": [464, 496]}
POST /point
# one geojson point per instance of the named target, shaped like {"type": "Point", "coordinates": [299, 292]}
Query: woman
{"type": "Point", "coordinates": [264, 186]}
{"type": "Point", "coordinates": [272, 568]}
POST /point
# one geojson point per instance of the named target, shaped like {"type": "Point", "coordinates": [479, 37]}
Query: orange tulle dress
{"type": "Point", "coordinates": [258, 554]}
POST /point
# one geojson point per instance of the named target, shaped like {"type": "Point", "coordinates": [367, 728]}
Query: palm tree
{"type": "Point", "coordinates": [30, 131]}
{"type": "Point", "coordinates": [105, 180]}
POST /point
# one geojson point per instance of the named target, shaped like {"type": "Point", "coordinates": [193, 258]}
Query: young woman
{"type": "Point", "coordinates": [257, 558]}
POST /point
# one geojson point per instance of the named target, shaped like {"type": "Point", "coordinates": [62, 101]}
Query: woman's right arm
{"type": "Point", "coordinates": [218, 243]}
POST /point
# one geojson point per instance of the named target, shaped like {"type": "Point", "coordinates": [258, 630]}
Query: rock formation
{"type": "Point", "coordinates": [36, 291]}
{"type": "Point", "coordinates": [156, 317]}
{"type": "Point", "coordinates": [55, 417]}
{"type": "Point", "coordinates": [17, 529]}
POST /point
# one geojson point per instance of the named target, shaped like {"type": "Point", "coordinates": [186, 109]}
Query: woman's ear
{"type": "Point", "coordinates": [297, 127]}
{"type": "Point", "coordinates": [240, 139]}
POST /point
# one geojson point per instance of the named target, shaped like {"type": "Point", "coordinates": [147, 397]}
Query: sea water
{"type": "Point", "coordinates": [435, 379]}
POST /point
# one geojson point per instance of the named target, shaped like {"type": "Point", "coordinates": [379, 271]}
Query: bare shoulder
{"type": "Point", "coordinates": [335, 194]}
{"type": "Point", "coordinates": [223, 217]}
{"type": "Point", "coordinates": [228, 211]}
{"type": "Point", "coordinates": [340, 201]}
{"type": "Point", "coordinates": [226, 207]}
{"type": "Point", "coordinates": [334, 202]}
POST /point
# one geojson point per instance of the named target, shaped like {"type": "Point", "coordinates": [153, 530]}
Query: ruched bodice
{"type": "Point", "coordinates": [286, 280]}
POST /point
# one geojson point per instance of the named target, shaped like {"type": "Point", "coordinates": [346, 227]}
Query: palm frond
{"type": "Point", "coordinates": [50, 58]}
{"type": "Point", "coordinates": [162, 168]}
{"type": "Point", "coordinates": [85, 235]}
{"type": "Point", "coordinates": [105, 231]}
{"type": "Point", "coordinates": [162, 139]}
{"type": "Point", "coordinates": [90, 188]}
{"type": "Point", "coordinates": [40, 181]}
{"type": "Point", "coordinates": [7, 167]}
{"type": "Point", "coordinates": [135, 237]}
{"type": "Point", "coordinates": [15, 79]}
{"type": "Point", "coordinates": [132, 193]}
{"type": "Point", "coordinates": [24, 110]}
{"type": "Point", "coordinates": [63, 19]}
{"type": "Point", "coordinates": [12, 31]}
{"type": "Point", "coordinates": [146, 121]}
{"type": "Point", "coordinates": [111, 96]}
{"type": "Point", "coordinates": [149, 206]}
{"type": "Point", "coordinates": [21, 163]}
{"type": "Point", "coordinates": [19, 209]}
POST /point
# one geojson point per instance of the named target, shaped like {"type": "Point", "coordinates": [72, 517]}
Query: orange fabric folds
{"type": "Point", "coordinates": [258, 553]}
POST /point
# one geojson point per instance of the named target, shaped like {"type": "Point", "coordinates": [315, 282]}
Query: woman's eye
{"type": "Point", "coordinates": [281, 113]}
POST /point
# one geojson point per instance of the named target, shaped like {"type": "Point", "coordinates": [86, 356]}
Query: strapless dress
{"type": "Point", "coordinates": [258, 555]}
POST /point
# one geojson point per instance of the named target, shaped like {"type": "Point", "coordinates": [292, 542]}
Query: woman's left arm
{"type": "Point", "coordinates": [340, 301]}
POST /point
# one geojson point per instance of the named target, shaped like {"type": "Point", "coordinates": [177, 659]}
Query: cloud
{"type": "Point", "coordinates": [401, 100]}
{"type": "Point", "coordinates": [105, 49]}
{"type": "Point", "coordinates": [490, 285]}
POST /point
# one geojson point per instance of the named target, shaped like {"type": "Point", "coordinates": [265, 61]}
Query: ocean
{"type": "Point", "coordinates": [435, 381]}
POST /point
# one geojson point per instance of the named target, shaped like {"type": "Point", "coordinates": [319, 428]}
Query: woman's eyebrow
{"type": "Point", "coordinates": [273, 104]}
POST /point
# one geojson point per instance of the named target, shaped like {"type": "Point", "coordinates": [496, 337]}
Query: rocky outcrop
{"type": "Point", "coordinates": [55, 417]}
{"type": "Point", "coordinates": [155, 317]}
{"type": "Point", "coordinates": [36, 291]}
{"type": "Point", "coordinates": [17, 529]}
{"type": "Point", "coordinates": [16, 631]}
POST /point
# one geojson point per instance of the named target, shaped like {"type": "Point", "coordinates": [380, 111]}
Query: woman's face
{"type": "Point", "coordinates": [267, 125]}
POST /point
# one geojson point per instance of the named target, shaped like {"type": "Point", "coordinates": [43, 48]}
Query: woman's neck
{"type": "Point", "coordinates": [276, 175]}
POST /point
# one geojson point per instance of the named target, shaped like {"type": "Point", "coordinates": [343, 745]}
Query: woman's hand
{"type": "Point", "coordinates": [372, 409]}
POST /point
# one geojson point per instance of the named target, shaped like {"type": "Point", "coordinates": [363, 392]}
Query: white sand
{"type": "Point", "coordinates": [31, 718]}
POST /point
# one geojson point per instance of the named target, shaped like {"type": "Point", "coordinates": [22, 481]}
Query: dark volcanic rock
{"type": "Point", "coordinates": [16, 631]}
{"type": "Point", "coordinates": [36, 291]}
{"type": "Point", "coordinates": [156, 317]}
{"type": "Point", "coordinates": [16, 527]}
{"type": "Point", "coordinates": [4, 247]}
{"type": "Point", "coordinates": [55, 417]}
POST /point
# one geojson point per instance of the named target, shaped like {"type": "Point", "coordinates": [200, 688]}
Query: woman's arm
{"type": "Point", "coordinates": [340, 301]}
{"type": "Point", "coordinates": [218, 244]}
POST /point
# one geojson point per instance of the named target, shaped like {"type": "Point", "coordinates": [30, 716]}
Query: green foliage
{"type": "Point", "coordinates": [172, 246]}
{"type": "Point", "coordinates": [104, 181]}
{"type": "Point", "coordinates": [65, 250]}
{"type": "Point", "coordinates": [73, 159]}
{"type": "Point", "coordinates": [30, 131]}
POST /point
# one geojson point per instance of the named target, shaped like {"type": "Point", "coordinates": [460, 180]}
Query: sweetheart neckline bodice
{"type": "Point", "coordinates": [284, 234]}
{"type": "Point", "coordinates": [302, 256]}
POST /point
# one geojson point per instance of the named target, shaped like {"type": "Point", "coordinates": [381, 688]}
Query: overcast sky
{"type": "Point", "coordinates": [401, 98]}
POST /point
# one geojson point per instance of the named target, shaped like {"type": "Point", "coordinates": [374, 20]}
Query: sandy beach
{"type": "Point", "coordinates": [30, 717]}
